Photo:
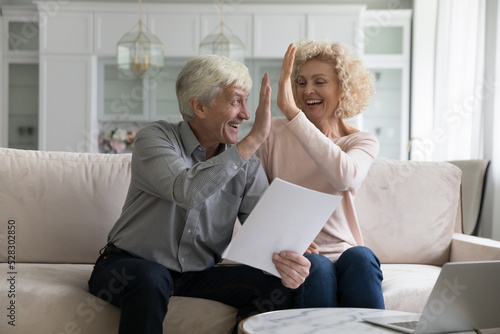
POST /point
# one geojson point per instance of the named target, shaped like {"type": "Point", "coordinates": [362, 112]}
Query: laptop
{"type": "Point", "coordinates": [466, 297]}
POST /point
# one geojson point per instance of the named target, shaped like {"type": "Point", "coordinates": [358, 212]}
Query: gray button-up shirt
{"type": "Point", "coordinates": [181, 208]}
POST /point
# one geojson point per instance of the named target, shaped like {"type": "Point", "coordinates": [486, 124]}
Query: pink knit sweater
{"type": "Point", "coordinates": [298, 152]}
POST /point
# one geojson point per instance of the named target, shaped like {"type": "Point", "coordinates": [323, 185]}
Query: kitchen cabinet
{"type": "Point", "coordinates": [138, 100]}
{"type": "Point", "coordinates": [109, 29]}
{"type": "Point", "coordinates": [179, 42]}
{"type": "Point", "coordinates": [341, 26]}
{"type": "Point", "coordinates": [19, 116]}
{"type": "Point", "coordinates": [273, 33]}
{"type": "Point", "coordinates": [55, 36]}
{"type": "Point", "coordinates": [387, 55]}
{"type": "Point", "coordinates": [66, 98]}
{"type": "Point", "coordinates": [81, 91]}
{"type": "Point", "coordinates": [22, 103]}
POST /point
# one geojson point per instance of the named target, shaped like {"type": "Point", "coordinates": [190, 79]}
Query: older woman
{"type": "Point", "coordinates": [321, 85]}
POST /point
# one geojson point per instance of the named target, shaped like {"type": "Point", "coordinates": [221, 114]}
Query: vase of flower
{"type": "Point", "coordinates": [116, 140]}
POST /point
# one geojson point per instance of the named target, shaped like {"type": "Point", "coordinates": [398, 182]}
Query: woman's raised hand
{"type": "Point", "coordinates": [286, 102]}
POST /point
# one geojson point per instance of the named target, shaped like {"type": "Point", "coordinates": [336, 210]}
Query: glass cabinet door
{"type": "Point", "coordinates": [164, 100]}
{"type": "Point", "coordinates": [138, 100]}
{"type": "Point", "coordinates": [19, 110]}
{"type": "Point", "coordinates": [383, 40]}
{"type": "Point", "coordinates": [23, 36]}
{"type": "Point", "coordinates": [273, 68]}
{"type": "Point", "coordinates": [120, 98]}
{"type": "Point", "coordinates": [387, 56]}
{"type": "Point", "coordinates": [383, 115]}
{"type": "Point", "coordinates": [23, 106]}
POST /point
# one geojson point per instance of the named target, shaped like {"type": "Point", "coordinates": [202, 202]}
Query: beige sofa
{"type": "Point", "coordinates": [56, 209]}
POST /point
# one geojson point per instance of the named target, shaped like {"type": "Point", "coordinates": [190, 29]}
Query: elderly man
{"type": "Point", "coordinates": [190, 181]}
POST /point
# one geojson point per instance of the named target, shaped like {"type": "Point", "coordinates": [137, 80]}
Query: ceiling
{"type": "Point", "coordinates": [371, 4]}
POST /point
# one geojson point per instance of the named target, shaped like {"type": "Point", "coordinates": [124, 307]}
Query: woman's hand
{"type": "Point", "coordinates": [286, 102]}
{"type": "Point", "coordinates": [312, 249]}
{"type": "Point", "coordinates": [293, 268]}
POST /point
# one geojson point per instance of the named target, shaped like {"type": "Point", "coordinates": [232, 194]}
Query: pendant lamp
{"type": "Point", "coordinates": [223, 42]}
{"type": "Point", "coordinates": [139, 52]}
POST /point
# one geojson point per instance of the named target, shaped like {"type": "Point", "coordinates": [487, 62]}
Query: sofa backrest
{"type": "Point", "coordinates": [408, 210]}
{"type": "Point", "coordinates": [61, 204]}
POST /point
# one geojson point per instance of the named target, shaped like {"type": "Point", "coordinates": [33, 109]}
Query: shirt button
{"type": "Point", "coordinates": [189, 231]}
{"type": "Point", "coordinates": [235, 167]}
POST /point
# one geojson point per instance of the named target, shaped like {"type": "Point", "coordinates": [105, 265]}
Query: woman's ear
{"type": "Point", "coordinates": [198, 108]}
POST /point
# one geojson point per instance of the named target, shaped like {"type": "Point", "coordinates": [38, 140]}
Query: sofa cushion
{"type": "Point", "coordinates": [408, 210]}
{"type": "Point", "coordinates": [63, 203]}
{"type": "Point", "coordinates": [61, 291]}
{"type": "Point", "coordinates": [406, 287]}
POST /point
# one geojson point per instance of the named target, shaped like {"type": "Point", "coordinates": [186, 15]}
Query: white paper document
{"type": "Point", "coordinates": [287, 218]}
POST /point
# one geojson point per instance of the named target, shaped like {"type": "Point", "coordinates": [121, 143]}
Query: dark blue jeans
{"type": "Point", "coordinates": [141, 289]}
{"type": "Point", "coordinates": [354, 280]}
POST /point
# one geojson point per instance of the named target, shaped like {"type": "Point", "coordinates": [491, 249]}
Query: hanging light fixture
{"type": "Point", "coordinates": [223, 42]}
{"type": "Point", "coordinates": [139, 52]}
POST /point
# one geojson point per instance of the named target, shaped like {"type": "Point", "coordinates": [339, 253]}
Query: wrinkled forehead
{"type": "Point", "coordinates": [232, 91]}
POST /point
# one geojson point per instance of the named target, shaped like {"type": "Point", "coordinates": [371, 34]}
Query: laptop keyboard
{"type": "Point", "coordinates": [406, 324]}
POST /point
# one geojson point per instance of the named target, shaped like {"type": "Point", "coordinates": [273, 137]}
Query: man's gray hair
{"type": "Point", "coordinates": [204, 77]}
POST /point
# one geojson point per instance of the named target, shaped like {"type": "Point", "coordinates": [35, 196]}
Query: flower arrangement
{"type": "Point", "coordinates": [116, 140]}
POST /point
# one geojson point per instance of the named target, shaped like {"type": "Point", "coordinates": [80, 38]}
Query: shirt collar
{"type": "Point", "coordinates": [191, 142]}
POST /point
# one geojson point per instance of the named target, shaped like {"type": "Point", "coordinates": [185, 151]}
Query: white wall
{"type": "Point", "coordinates": [490, 219]}
{"type": "Point", "coordinates": [422, 78]}
{"type": "Point", "coordinates": [3, 139]}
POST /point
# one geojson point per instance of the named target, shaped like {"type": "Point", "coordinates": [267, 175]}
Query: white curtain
{"type": "Point", "coordinates": [460, 83]}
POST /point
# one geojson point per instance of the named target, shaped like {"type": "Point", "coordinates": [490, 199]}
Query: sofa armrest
{"type": "Point", "coordinates": [470, 248]}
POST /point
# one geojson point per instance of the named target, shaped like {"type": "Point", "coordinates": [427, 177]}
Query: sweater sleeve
{"type": "Point", "coordinates": [345, 170]}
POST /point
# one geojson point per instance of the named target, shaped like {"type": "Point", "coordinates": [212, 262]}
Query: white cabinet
{"type": "Point", "coordinates": [120, 99]}
{"type": "Point", "coordinates": [180, 33]}
{"type": "Point", "coordinates": [19, 84]}
{"type": "Point", "coordinates": [335, 29]}
{"type": "Point", "coordinates": [387, 115]}
{"type": "Point", "coordinates": [342, 25]}
{"type": "Point", "coordinates": [273, 68]}
{"type": "Point", "coordinates": [22, 103]}
{"type": "Point", "coordinates": [387, 34]}
{"type": "Point", "coordinates": [110, 28]}
{"type": "Point", "coordinates": [163, 100]}
{"type": "Point", "coordinates": [257, 68]}
{"type": "Point", "coordinates": [387, 55]}
{"type": "Point", "coordinates": [21, 35]}
{"type": "Point", "coordinates": [67, 80]}
{"type": "Point", "coordinates": [80, 88]}
{"type": "Point", "coordinates": [274, 32]}
{"type": "Point", "coordinates": [66, 103]}
{"type": "Point", "coordinates": [67, 33]}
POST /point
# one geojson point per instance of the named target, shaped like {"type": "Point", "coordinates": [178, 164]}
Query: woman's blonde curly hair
{"type": "Point", "coordinates": [356, 83]}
